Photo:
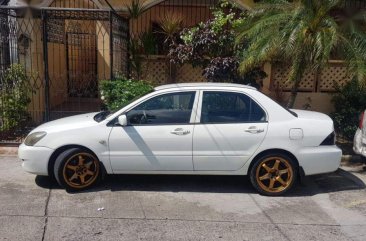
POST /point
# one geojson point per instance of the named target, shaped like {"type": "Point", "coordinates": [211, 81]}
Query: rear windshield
{"type": "Point", "coordinates": [291, 112]}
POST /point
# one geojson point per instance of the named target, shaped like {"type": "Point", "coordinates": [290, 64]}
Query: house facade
{"type": "Point", "coordinates": [68, 46]}
{"type": "Point", "coordinates": [86, 42]}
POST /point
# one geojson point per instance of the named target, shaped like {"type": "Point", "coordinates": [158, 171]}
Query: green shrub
{"type": "Point", "coordinates": [118, 93]}
{"type": "Point", "coordinates": [14, 98]}
{"type": "Point", "coordinates": [349, 102]}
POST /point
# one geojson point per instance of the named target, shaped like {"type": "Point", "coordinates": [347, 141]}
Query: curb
{"type": "Point", "coordinates": [346, 158]}
{"type": "Point", "coordinates": [349, 175]}
{"type": "Point", "coordinates": [351, 159]}
{"type": "Point", "coordinates": [8, 151]}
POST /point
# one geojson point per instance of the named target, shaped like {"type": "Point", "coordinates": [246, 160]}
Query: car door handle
{"type": "Point", "coordinates": [180, 132]}
{"type": "Point", "coordinates": [254, 130]}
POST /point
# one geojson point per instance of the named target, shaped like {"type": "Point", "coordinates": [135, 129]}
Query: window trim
{"type": "Point", "coordinates": [193, 111]}
{"type": "Point", "coordinates": [199, 110]}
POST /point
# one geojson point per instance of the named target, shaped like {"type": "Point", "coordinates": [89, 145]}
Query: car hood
{"type": "Point", "coordinates": [71, 122]}
{"type": "Point", "coordinates": [311, 115]}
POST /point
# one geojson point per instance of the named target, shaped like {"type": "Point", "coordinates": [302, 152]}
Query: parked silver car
{"type": "Point", "coordinates": [359, 142]}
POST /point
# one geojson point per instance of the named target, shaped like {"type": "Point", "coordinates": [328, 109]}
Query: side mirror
{"type": "Point", "coordinates": [122, 120]}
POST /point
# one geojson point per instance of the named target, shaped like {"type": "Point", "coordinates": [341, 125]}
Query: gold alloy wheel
{"type": "Point", "coordinates": [81, 170]}
{"type": "Point", "coordinates": [274, 174]}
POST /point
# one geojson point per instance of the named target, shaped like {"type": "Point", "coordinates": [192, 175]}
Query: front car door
{"type": "Point", "coordinates": [231, 127]}
{"type": "Point", "coordinates": [158, 136]}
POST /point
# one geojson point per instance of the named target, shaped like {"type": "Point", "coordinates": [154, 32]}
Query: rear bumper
{"type": "Point", "coordinates": [321, 159]}
{"type": "Point", "coordinates": [35, 159]}
{"type": "Point", "coordinates": [359, 143]}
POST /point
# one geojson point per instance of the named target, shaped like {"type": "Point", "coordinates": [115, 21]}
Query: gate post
{"type": "Point", "coordinates": [45, 65]}
{"type": "Point", "coordinates": [111, 43]}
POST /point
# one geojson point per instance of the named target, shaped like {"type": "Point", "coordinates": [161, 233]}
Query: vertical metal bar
{"type": "Point", "coordinates": [129, 73]}
{"type": "Point", "coordinates": [96, 59]}
{"type": "Point", "coordinates": [45, 64]}
{"type": "Point", "coordinates": [111, 43]}
{"type": "Point", "coordinates": [67, 62]}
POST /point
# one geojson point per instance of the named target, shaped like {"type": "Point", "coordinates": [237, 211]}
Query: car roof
{"type": "Point", "coordinates": [203, 85]}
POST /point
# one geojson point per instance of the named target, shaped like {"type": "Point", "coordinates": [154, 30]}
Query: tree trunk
{"type": "Point", "coordinates": [294, 89]}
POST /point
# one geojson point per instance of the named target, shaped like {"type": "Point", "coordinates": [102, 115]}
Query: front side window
{"type": "Point", "coordinates": [230, 107]}
{"type": "Point", "coordinates": [174, 108]}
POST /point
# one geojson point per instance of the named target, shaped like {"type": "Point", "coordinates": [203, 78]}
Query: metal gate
{"type": "Point", "coordinates": [59, 56]}
{"type": "Point", "coordinates": [81, 62]}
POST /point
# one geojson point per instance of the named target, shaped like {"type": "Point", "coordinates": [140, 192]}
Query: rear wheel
{"type": "Point", "coordinates": [76, 169]}
{"type": "Point", "coordinates": [274, 174]}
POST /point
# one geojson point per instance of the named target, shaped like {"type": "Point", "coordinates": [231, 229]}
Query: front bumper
{"type": "Point", "coordinates": [35, 159]}
{"type": "Point", "coordinates": [359, 143]}
{"type": "Point", "coordinates": [321, 159]}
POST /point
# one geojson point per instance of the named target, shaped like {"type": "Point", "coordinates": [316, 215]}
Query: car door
{"type": "Point", "coordinates": [158, 136]}
{"type": "Point", "coordinates": [231, 127]}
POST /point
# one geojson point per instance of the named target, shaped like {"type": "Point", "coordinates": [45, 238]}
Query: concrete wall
{"type": "Point", "coordinates": [316, 101]}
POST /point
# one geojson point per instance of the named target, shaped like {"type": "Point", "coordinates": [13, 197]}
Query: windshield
{"type": "Point", "coordinates": [101, 116]}
{"type": "Point", "coordinates": [287, 109]}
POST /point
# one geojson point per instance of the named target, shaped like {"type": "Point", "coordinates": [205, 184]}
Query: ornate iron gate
{"type": "Point", "coordinates": [58, 56]}
{"type": "Point", "coordinates": [81, 62]}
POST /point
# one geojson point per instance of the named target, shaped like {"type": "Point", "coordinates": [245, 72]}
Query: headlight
{"type": "Point", "coordinates": [34, 138]}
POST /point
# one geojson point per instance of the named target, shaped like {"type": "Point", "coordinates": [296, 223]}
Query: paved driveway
{"type": "Point", "coordinates": [327, 207]}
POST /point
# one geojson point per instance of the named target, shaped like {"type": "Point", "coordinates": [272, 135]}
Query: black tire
{"type": "Point", "coordinates": [263, 177]}
{"type": "Point", "coordinates": [73, 169]}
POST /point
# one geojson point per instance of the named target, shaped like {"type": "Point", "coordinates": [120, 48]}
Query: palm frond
{"type": "Point", "coordinates": [171, 23]}
{"type": "Point", "coordinates": [305, 35]}
{"type": "Point", "coordinates": [307, 30]}
{"type": "Point", "coordinates": [135, 9]}
{"type": "Point", "coordinates": [354, 52]}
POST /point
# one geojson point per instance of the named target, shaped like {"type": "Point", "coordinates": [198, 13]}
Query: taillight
{"type": "Point", "coordinates": [329, 140]}
{"type": "Point", "coordinates": [361, 120]}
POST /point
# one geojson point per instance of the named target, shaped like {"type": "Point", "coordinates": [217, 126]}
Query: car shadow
{"type": "Point", "coordinates": [163, 183]}
{"type": "Point", "coordinates": [311, 185]}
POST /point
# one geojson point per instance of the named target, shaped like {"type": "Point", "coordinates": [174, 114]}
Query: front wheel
{"type": "Point", "coordinates": [273, 174]}
{"type": "Point", "coordinates": [76, 169]}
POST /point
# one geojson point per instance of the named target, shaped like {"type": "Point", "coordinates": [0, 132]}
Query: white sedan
{"type": "Point", "coordinates": [201, 128]}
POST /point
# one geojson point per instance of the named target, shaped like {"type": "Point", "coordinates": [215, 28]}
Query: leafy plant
{"type": "Point", "coordinates": [211, 45]}
{"type": "Point", "coordinates": [171, 24]}
{"type": "Point", "coordinates": [135, 56]}
{"type": "Point", "coordinates": [135, 9]}
{"type": "Point", "coordinates": [304, 33]}
{"type": "Point", "coordinates": [118, 93]}
{"type": "Point", "coordinates": [148, 43]}
{"type": "Point", "coordinates": [144, 44]}
{"type": "Point", "coordinates": [14, 98]}
{"type": "Point", "coordinates": [350, 101]}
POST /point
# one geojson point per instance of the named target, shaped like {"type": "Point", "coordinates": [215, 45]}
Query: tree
{"type": "Point", "coordinates": [305, 33]}
{"type": "Point", "coordinates": [211, 46]}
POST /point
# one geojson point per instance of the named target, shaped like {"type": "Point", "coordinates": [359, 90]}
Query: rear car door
{"type": "Point", "coordinates": [231, 127]}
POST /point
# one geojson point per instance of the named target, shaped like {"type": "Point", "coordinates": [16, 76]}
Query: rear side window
{"type": "Point", "coordinates": [230, 107]}
{"type": "Point", "coordinates": [175, 108]}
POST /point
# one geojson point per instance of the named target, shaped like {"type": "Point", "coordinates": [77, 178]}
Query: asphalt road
{"type": "Point", "coordinates": [326, 207]}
